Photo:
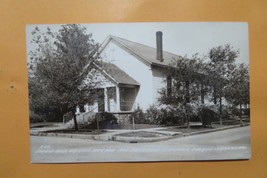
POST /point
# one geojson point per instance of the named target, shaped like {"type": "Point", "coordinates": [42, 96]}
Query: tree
{"type": "Point", "coordinates": [219, 68]}
{"type": "Point", "coordinates": [184, 83]}
{"type": "Point", "coordinates": [40, 94]}
{"type": "Point", "coordinates": [237, 91]}
{"type": "Point", "coordinates": [58, 67]}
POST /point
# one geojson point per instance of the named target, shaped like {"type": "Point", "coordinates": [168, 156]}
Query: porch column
{"type": "Point", "coordinates": [106, 99]}
{"type": "Point", "coordinates": [118, 102]}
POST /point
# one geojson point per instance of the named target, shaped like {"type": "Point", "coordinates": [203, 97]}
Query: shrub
{"type": "Point", "coordinates": [34, 117]}
{"type": "Point", "coordinates": [193, 112]}
{"type": "Point", "coordinates": [233, 111]}
{"type": "Point", "coordinates": [207, 116]}
{"type": "Point", "coordinates": [109, 119]}
{"type": "Point", "coordinates": [153, 115]}
{"type": "Point", "coordinates": [139, 116]}
{"type": "Point", "coordinates": [226, 112]}
{"type": "Point", "coordinates": [106, 121]}
{"type": "Point", "coordinates": [169, 115]}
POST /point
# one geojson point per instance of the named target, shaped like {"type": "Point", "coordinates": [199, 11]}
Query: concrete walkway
{"type": "Point", "coordinates": [110, 135]}
{"type": "Point", "coordinates": [114, 134]}
{"type": "Point", "coordinates": [220, 145]}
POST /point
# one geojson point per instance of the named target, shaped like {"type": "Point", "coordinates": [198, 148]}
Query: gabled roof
{"type": "Point", "coordinates": [147, 53]}
{"type": "Point", "coordinates": [115, 73]}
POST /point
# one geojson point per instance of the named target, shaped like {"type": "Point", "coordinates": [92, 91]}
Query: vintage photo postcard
{"type": "Point", "coordinates": [138, 92]}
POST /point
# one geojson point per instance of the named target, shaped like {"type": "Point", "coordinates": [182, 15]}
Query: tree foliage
{"type": "Point", "coordinates": [185, 83]}
{"type": "Point", "coordinates": [215, 77]}
{"type": "Point", "coordinates": [219, 67]}
{"type": "Point", "coordinates": [57, 72]}
{"type": "Point", "coordinates": [237, 91]}
{"type": "Point", "coordinates": [219, 70]}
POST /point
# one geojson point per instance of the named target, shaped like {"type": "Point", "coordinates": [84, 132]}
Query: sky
{"type": "Point", "coordinates": [186, 38]}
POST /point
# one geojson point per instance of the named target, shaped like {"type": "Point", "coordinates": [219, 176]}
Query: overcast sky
{"type": "Point", "coordinates": [179, 38]}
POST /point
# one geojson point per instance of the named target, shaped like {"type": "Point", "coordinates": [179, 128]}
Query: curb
{"type": "Point", "coordinates": [146, 139]}
{"type": "Point", "coordinates": [80, 136]}
{"type": "Point", "coordinates": [140, 139]}
{"type": "Point", "coordinates": [215, 130]}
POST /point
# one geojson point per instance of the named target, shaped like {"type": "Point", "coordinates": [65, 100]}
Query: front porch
{"type": "Point", "coordinates": [113, 99]}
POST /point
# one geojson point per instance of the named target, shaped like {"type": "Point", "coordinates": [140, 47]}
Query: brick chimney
{"type": "Point", "coordinates": [159, 46]}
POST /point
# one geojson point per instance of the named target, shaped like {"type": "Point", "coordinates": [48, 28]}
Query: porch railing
{"type": "Point", "coordinates": [67, 117]}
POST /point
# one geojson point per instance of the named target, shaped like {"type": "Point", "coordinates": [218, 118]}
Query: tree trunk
{"type": "Point", "coordinates": [220, 110]}
{"type": "Point", "coordinates": [187, 100]}
{"type": "Point", "coordinates": [186, 116]}
{"type": "Point", "coordinates": [240, 113]}
{"type": "Point", "coordinates": [187, 88]}
{"type": "Point", "coordinates": [97, 116]}
{"type": "Point", "coordinates": [214, 95]}
{"type": "Point", "coordinates": [75, 119]}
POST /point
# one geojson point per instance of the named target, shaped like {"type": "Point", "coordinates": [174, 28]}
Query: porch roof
{"type": "Point", "coordinates": [117, 74]}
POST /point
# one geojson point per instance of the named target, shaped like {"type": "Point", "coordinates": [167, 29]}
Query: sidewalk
{"type": "Point", "coordinates": [113, 135]}
{"type": "Point", "coordinates": [110, 135]}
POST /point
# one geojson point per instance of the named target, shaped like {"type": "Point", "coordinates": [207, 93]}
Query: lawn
{"type": "Point", "coordinates": [185, 129]}
{"type": "Point", "coordinates": [121, 126]}
{"type": "Point", "coordinates": [143, 134]}
{"type": "Point", "coordinates": [80, 131]}
{"type": "Point", "coordinates": [197, 128]}
{"type": "Point", "coordinates": [194, 127]}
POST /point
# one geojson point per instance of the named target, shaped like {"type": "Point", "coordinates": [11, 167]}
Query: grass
{"type": "Point", "coordinates": [138, 126]}
{"type": "Point", "coordinates": [80, 131]}
{"type": "Point", "coordinates": [103, 129]}
{"type": "Point", "coordinates": [123, 126]}
{"type": "Point", "coordinates": [196, 128]}
{"type": "Point", "coordinates": [185, 129]}
{"type": "Point", "coordinates": [143, 134]}
{"type": "Point", "coordinates": [43, 124]}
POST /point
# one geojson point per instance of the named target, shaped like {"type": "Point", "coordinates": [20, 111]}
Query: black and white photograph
{"type": "Point", "coordinates": [138, 92]}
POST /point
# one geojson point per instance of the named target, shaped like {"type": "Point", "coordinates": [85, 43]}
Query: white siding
{"type": "Point", "coordinates": [91, 108]}
{"type": "Point", "coordinates": [98, 78]}
{"type": "Point", "coordinates": [159, 81]}
{"type": "Point", "coordinates": [134, 68]}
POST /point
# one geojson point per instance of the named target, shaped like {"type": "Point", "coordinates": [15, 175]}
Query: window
{"type": "Point", "coordinates": [169, 86]}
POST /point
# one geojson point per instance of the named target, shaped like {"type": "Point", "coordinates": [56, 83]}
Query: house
{"type": "Point", "coordinates": [133, 74]}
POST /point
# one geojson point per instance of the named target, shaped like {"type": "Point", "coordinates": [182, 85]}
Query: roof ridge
{"type": "Point", "coordinates": [133, 42]}
{"type": "Point", "coordinates": [112, 36]}
{"type": "Point", "coordinates": [144, 53]}
{"type": "Point", "coordinates": [131, 49]}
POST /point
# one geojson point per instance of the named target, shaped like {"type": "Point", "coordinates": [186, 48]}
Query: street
{"type": "Point", "coordinates": [220, 145]}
